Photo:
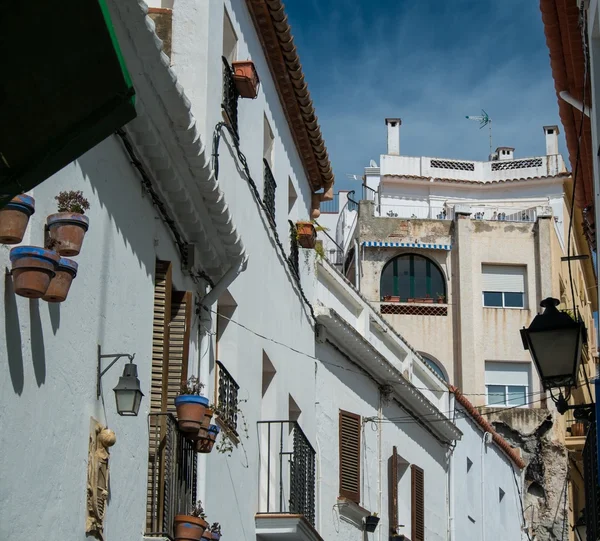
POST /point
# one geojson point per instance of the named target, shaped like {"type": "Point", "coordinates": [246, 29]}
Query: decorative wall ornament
{"type": "Point", "coordinates": [101, 438]}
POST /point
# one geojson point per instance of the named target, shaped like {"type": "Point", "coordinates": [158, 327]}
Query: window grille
{"type": "Point", "coordinates": [451, 164]}
{"type": "Point", "coordinates": [229, 104]}
{"type": "Point", "coordinates": [269, 191]}
{"type": "Point", "coordinates": [516, 164]}
{"type": "Point", "coordinates": [227, 398]}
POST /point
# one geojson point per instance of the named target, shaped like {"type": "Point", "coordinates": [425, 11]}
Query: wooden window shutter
{"type": "Point", "coordinates": [393, 491]}
{"type": "Point", "coordinates": [179, 346]}
{"type": "Point", "coordinates": [350, 456]}
{"type": "Point", "coordinates": [417, 504]}
{"type": "Point", "coordinates": [160, 333]}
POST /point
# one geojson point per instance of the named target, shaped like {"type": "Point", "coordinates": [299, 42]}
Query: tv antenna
{"type": "Point", "coordinates": [484, 120]}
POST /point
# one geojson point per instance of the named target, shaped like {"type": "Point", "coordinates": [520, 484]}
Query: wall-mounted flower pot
{"type": "Point", "coordinates": [67, 230]}
{"type": "Point", "coordinates": [205, 444]}
{"type": "Point", "coordinates": [246, 78]}
{"type": "Point", "coordinates": [32, 269]}
{"type": "Point", "coordinates": [207, 535]}
{"type": "Point", "coordinates": [14, 218]}
{"type": "Point", "coordinates": [577, 429]}
{"type": "Point", "coordinates": [307, 235]}
{"type": "Point", "coordinates": [189, 528]}
{"type": "Point", "coordinates": [441, 299]}
{"type": "Point", "coordinates": [371, 523]}
{"type": "Point", "coordinates": [208, 414]}
{"type": "Point", "coordinates": [61, 283]}
{"type": "Point", "coordinates": [190, 412]}
{"type": "Point", "coordinates": [216, 536]}
{"type": "Point", "coordinates": [391, 298]}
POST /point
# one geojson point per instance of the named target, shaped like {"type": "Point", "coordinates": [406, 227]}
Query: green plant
{"type": "Point", "coordinates": [320, 251]}
{"type": "Point", "coordinates": [192, 386]}
{"type": "Point", "coordinates": [215, 528]}
{"type": "Point", "coordinates": [198, 510]}
{"type": "Point", "coordinates": [224, 445]}
{"type": "Point", "coordinates": [72, 201]}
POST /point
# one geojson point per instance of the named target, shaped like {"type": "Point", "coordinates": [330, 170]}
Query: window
{"type": "Point", "coordinates": [292, 195]}
{"type": "Point", "coordinates": [413, 278]}
{"type": "Point", "coordinates": [503, 286]}
{"type": "Point", "coordinates": [507, 384]}
{"type": "Point", "coordinates": [227, 398]}
{"type": "Point", "coordinates": [417, 504]}
{"type": "Point", "coordinates": [435, 367]}
{"type": "Point", "coordinates": [229, 39]}
{"type": "Point", "coordinates": [350, 455]}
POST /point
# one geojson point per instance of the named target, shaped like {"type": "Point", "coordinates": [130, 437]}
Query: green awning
{"type": "Point", "coordinates": [64, 88]}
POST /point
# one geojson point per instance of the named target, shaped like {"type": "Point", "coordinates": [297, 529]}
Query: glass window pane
{"type": "Point", "coordinates": [492, 298]}
{"type": "Point", "coordinates": [513, 300]}
{"type": "Point", "coordinates": [403, 263]}
{"type": "Point", "coordinates": [517, 395]}
{"type": "Point", "coordinates": [438, 283]}
{"type": "Point", "coordinates": [420, 277]}
{"type": "Point", "coordinates": [387, 280]}
{"type": "Point", "coordinates": [434, 367]}
{"type": "Point", "coordinates": [496, 395]}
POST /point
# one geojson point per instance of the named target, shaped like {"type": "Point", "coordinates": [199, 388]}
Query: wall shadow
{"type": "Point", "coordinates": [12, 330]}
{"type": "Point", "coordinates": [38, 350]}
{"type": "Point", "coordinates": [54, 311]}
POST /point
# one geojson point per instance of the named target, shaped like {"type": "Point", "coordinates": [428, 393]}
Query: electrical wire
{"type": "Point", "coordinates": [218, 133]}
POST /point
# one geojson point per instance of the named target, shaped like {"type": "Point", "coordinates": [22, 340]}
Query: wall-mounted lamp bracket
{"type": "Point", "coordinates": [100, 372]}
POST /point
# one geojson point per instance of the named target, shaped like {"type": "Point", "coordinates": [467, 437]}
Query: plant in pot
{"type": "Point", "coordinates": [441, 298]}
{"type": "Point", "coordinates": [14, 218]}
{"type": "Point", "coordinates": [391, 298]}
{"type": "Point", "coordinates": [215, 529]}
{"type": "Point", "coordinates": [577, 430]}
{"type": "Point", "coordinates": [33, 269]}
{"type": "Point", "coordinates": [191, 407]}
{"type": "Point", "coordinates": [61, 283]}
{"type": "Point", "coordinates": [205, 444]}
{"type": "Point", "coordinates": [306, 234]}
{"type": "Point", "coordinates": [428, 299]}
{"type": "Point", "coordinates": [67, 228]}
{"type": "Point", "coordinates": [192, 526]}
{"type": "Point", "coordinates": [371, 522]}
{"type": "Point", "coordinates": [245, 78]}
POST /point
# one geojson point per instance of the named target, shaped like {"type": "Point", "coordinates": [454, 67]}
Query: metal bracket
{"type": "Point", "coordinates": [100, 372]}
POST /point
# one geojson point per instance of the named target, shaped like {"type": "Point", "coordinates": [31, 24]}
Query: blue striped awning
{"type": "Point", "coordinates": [379, 244]}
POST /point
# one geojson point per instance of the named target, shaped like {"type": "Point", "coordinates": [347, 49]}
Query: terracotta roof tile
{"type": "Point", "coordinates": [277, 41]}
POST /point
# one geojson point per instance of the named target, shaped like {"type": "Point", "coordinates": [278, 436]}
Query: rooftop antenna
{"type": "Point", "coordinates": [484, 120]}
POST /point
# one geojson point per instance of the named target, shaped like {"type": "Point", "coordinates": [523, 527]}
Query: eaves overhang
{"type": "Point", "coordinates": [365, 355]}
{"type": "Point", "coordinates": [169, 144]}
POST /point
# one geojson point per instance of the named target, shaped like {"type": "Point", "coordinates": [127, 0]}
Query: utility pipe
{"type": "Point", "coordinates": [356, 265]}
{"type": "Point", "coordinates": [451, 526]}
{"type": "Point", "coordinates": [575, 103]}
{"type": "Point", "coordinates": [485, 440]}
{"type": "Point", "coordinates": [379, 451]}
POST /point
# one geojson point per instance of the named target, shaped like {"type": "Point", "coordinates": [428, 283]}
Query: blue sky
{"type": "Point", "coordinates": [429, 62]}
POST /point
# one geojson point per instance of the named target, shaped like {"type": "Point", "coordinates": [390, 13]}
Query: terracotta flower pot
{"type": "Point", "coordinates": [61, 283]}
{"type": "Point", "coordinates": [208, 414]}
{"type": "Point", "coordinates": [207, 535]}
{"type": "Point", "coordinates": [246, 78]}
{"type": "Point", "coordinates": [67, 230]}
{"type": "Point", "coordinates": [391, 298]}
{"type": "Point", "coordinates": [577, 429]}
{"type": "Point", "coordinates": [14, 218]}
{"type": "Point", "coordinates": [190, 412]}
{"type": "Point", "coordinates": [32, 269]}
{"type": "Point", "coordinates": [189, 528]}
{"type": "Point", "coordinates": [205, 444]}
{"type": "Point", "coordinates": [307, 235]}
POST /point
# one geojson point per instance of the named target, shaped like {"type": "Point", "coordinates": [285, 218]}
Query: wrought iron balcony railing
{"type": "Point", "coordinates": [269, 191]}
{"type": "Point", "coordinates": [227, 398]}
{"type": "Point", "coordinates": [294, 257]}
{"type": "Point", "coordinates": [592, 490]}
{"type": "Point", "coordinates": [230, 97]}
{"type": "Point", "coordinates": [287, 470]}
{"type": "Point", "coordinates": [172, 475]}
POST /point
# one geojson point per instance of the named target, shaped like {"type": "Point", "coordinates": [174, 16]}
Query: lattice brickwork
{"type": "Point", "coordinates": [516, 164]}
{"type": "Point", "coordinates": [449, 164]}
{"type": "Point", "coordinates": [414, 309]}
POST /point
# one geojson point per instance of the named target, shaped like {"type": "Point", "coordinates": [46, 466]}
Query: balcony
{"type": "Point", "coordinates": [171, 475]}
{"type": "Point", "coordinates": [287, 483]}
{"type": "Point", "coordinates": [229, 105]}
{"type": "Point", "coordinates": [575, 432]}
{"type": "Point", "coordinates": [269, 191]}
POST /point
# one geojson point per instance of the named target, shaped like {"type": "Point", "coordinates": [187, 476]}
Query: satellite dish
{"type": "Point", "coordinates": [372, 163]}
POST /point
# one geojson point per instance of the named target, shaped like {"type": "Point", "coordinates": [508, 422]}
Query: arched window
{"type": "Point", "coordinates": [413, 278]}
{"type": "Point", "coordinates": [434, 365]}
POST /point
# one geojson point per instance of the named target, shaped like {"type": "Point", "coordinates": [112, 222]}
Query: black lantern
{"type": "Point", "coordinates": [127, 392]}
{"type": "Point", "coordinates": [554, 340]}
{"type": "Point", "coordinates": [580, 527]}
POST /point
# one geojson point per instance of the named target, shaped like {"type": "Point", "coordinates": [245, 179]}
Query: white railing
{"type": "Point", "coordinates": [391, 210]}
{"type": "Point", "coordinates": [489, 171]}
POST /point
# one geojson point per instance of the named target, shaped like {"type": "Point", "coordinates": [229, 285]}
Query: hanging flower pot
{"type": "Point", "coordinates": [190, 412]}
{"type": "Point", "coordinates": [206, 443]}
{"type": "Point", "coordinates": [246, 78]}
{"type": "Point", "coordinates": [14, 218]}
{"type": "Point", "coordinates": [61, 283]}
{"type": "Point", "coordinates": [67, 230]}
{"type": "Point", "coordinates": [307, 235]}
{"type": "Point", "coordinates": [189, 528]}
{"type": "Point", "coordinates": [207, 535]}
{"type": "Point", "coordinates": [371, 523]}
{"type": "Point", "coordinates": [32, 269]}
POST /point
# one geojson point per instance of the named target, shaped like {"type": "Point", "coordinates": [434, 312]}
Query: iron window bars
{"type": "Point", "coordinates": [227, 398]}
{"type": "Point", "coordinates": [269, 192]}
{"type": "Point", "coordinates": [288, 469]}
{"type": "Point", "coordinates": [172, 475]}
{"type": "Point", "coordinates": [229, 105]}
{"type": "Point", "coordinates": [294, 257]}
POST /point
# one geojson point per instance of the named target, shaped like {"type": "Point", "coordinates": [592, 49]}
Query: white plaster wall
{"type": "Point", "coordinates": [478, 511]}
{"type": "Point", "coordinates": [348, 389]}
{"type": "Point", "coordinates": [48, 383]}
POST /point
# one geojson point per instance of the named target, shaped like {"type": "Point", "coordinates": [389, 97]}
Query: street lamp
{"type": "Point", "coordinates": [555, 340]}
{"type": "Point", "coordinates": [128, 394]}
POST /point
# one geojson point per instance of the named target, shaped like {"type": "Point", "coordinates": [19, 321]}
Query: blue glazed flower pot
{"type": "Point", "coordinates": [14, 218]}
{"type": "Point", "coordinates": [67, 230]}
{"type": "Point", "coordinates": [61, 283]}
{"type": "Point", "coordinates": [190, 412]}
{"type": "Point", "coordinates": [32, 269]}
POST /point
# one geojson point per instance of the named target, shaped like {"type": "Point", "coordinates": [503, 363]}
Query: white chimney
{"type": "Point", "coordinates": [551, 140]}
{"type": "Point", "coordinates": [504, 153]}
{"type": "Point", "coordinates": [393, 136]}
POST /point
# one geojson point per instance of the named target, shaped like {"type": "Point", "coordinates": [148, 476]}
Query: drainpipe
{"type": "Point", "coordinates": [357, 265]}
{"type": "Point", "coordinates": [575, 103]}
{"type": "Point", "coordinates": [204, 344]}
{"type": "Point", "coordinates": [379, 450]}
{"type": "Point", "coordinates": [318, 484]}
{"type": "Point", "coordinates": [485, 440]}
{"type": "Point", "coordinates": [451, 527]}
